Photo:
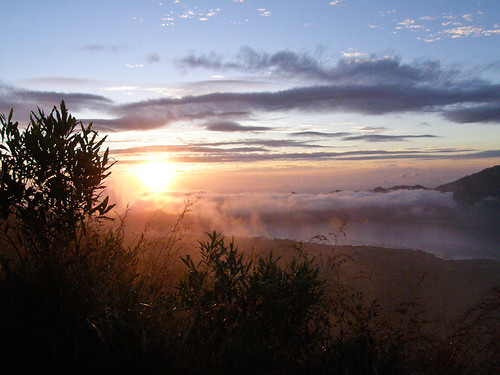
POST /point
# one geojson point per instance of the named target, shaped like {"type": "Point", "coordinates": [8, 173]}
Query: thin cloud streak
{"type": "Point", "coordinates": [66, 81]}
{"type": "Point", "coordinates": [319, 134]}
{"type": "Point", "coordinates": [106, 48]}
{"type": "Point", "coordinates": [231, 126]}
{"type": "Point", "coordinates": [275, 143]}
{"type": "Point", "coordinates": [384, 137]}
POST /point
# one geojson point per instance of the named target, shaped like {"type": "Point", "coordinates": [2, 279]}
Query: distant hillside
{"type": "Point", "coordinates": [473, 188]}
{"type": "Point", "coordinates": [467, 190]}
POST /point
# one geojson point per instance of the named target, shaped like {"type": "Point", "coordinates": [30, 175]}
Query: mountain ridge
{"type": "Point", "coordinates": [475, 187]}
{"type": "Point", "coordinates": [467, 190]}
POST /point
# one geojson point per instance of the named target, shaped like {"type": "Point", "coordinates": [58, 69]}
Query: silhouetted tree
{"type": "Point", "coordinates": [51, 181]}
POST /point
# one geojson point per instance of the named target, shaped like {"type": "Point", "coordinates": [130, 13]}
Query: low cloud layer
{"type": "Point", "coordinates": [296, 209]}
{"type": "Point", "coordinates": [421, 219]}
{"type": "Point", "coordinates": [254, 211]}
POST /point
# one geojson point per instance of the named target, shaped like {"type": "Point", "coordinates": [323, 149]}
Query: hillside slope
{"type": "Point", "coordinates": [444, 288]}
{"type": "Point", "coordinates": [476, 187]}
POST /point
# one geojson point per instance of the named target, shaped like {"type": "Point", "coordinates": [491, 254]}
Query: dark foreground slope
{"type": "Point", "coordinates": [124, 311]}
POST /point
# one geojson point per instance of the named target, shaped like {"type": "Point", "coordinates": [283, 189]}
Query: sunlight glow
{"type": "Point", "coordinates": [156, 175]}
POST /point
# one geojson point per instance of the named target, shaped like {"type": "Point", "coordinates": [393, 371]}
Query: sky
{"type": "Point", "coordinates": [265, 97]}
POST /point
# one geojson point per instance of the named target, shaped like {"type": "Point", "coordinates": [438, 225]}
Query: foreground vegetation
{"type": "Point", "coordinates": [78, 296]}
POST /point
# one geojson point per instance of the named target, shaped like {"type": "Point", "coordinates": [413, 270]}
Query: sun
{"type": "Point", "coordinates": [155, 176]}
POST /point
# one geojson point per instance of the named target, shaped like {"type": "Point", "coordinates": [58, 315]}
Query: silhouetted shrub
{"type": "Point", "coordinates": [51, 183]}
{"type": "Point", "coordinates": [250, 317]}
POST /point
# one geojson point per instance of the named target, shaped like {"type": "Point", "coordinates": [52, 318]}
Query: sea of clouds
{"type": "Point", "coordinates": [428, 220]}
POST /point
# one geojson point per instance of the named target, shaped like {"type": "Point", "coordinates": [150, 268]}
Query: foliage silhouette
{"type": "Point", "coordinates": [245, 315]}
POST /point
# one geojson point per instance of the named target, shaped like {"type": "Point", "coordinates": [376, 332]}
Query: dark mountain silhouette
{"type": "Point", "coordinates": [467, 190]}
{"type": "Point", "coordinates": [476, 187]}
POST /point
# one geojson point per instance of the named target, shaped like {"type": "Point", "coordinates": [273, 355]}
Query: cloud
{"type": "Point", "coordinates": [270, 214]}
{"type": "Point", "coordinates": [188, 14]}
{"type": "Point", "coordinates": [351, 53]}
{"type": "Point", "coordinates": [478, 155]}
{"type": "Point", "coordinates": [188, 149]}
{"type": "Point", "coordinates": [384, 137]}
{"type": "Point", "coordinates": [366, 99]}
{"type": "Point", "coordinates": [369, 86]}
{"type": "Point", "coordinates": [449, 26]}
{"type": "Point", "coordinates": [463, 31]}
{"type": "Point", "coordinates": [163, 91]}
{"type": "Point", "coordinates": [256, 150]}
{"type": "Point", "coordinates": [387, 12]}
{"type": "Point", "coordinates": [210, 61]}
{"type": "Point", "coordinates": [482, 113]}
{"type": "Point", "coordinates": [249, 60]}
{"type": "Point", "coordinates": [319, 134]}
{"type": "Point", "coordinates": [133, 66]}
{"type": "Point", "coordinates": [274, 143]}
{"type": "Point", "coordinates": [494, 66]}
{"type": "Point", "coordinates": [408, 24]}
{"type": "Point", "coordinates": [215, 151]}
{"type": "Point", "coordinates": [373, 129]}
{"type": "Point", "coordinates": [419, 219]}
{"type": "Point", "coordinates": [25, 101]}
{"type": "Point", "coordinates": [482, 103]}
{"type": "Point", "coordinates": [153, 58]}
{"type": "Point", "coordinates": [106, 48]}
{"type": "Point", "coordinates": [347, 70]}
{"type": "Point", "coordinates": [264, 12]}
{"type": "Point", "coordinates": [218, 84]}
{"type": "Point", "coordinates": [145, 122]}
{"type": "Point", "coordinates": [196, 13]}
{"type": "Point", "coordinates": [231, 126]}
{"type": "Point", "coordinates": [64, 81]}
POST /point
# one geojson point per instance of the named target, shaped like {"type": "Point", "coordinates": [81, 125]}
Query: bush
{"type": "Point", "coordinates": [51, 183]}
{"type": "Point", "coordinates": [250, 317]}
{"type": "Point", "coordinates": [57, 270]}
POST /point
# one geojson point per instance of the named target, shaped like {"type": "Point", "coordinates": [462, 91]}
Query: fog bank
{"type": "Point", "coordinates": [418, 219]}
